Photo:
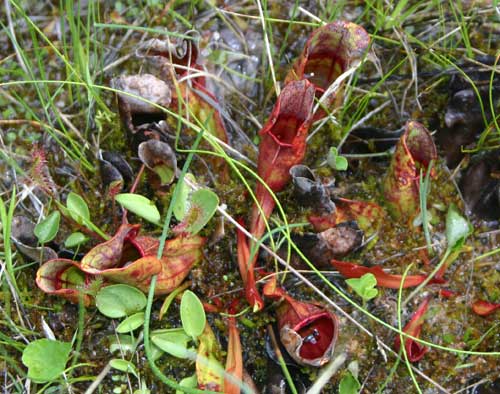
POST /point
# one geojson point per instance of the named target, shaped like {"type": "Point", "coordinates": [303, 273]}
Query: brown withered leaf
{"type": "Point", "coordinates": [159, 157]}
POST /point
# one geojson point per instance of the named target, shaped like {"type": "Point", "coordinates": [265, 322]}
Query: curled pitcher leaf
{"type": "Point", "coordinates": [283, 143]}
{"type": "Point", "coordinates": [64, 278]}
{"type": "Point", "coordinates": [351, 270]}
{"type": "Point", "coordinates": [414, 350]}
{"type": "Point", "coordinates": [115, 252]}
{"type": "Point", "coordinates": [414, 152]}
{"type": "Point", "coordinates": [282, 146]}
{"type": "Point", "coordinates": [209, 370]}
{"type": "Point", "coordinates": [122, 259]}
{"type": "Point", "coordinates": [308, 331]}
{"type": "Point", "coordinates": [329, 52]}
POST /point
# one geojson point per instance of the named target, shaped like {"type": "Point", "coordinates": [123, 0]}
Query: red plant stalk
{"type": "Point", "coordinates": [414, 350]}
{"type": "Point", "coordinates": [234, 361]}
{"type": "Point", "coordinates": [351, 270]}
{"type": "Point", "coordinates": [282, 146]}
{"type": "Point", "coordinates": [484, 308]}
{"type": "Point", "coordinates": [307, 331]}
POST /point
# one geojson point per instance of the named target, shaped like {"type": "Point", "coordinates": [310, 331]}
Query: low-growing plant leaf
{"type": "Point", "coordinates": [364, 286]}
{"type": "Point", "coordinates": [123, 365]}
{"type": "Point", "coordinates": [192, 314]}
{"type": "Point", "coordinates": [336, 161]}
{"type": "Point", "coordinates": [47, 229]}
{"type": "Point", "coordinates": [131, 323]}
{"type": "Point", "coordinates": [75, 239]}
{"type": "Point", "coordinates": [46, 359]}
{"type": "Point", "coordinates": [349, 384]}
{"type": "Point", "coordinates": [457, 228]}
{"type": "Point", "coordinates": [181, 203]}
{"type": "Point", "coordinates": [77, 208]}
{"type": "Point", "coordinates": [173, 342]}
{"type": "Point", "coordinates": [122, 343]}
{"type": "Point", "coordinates": [202, 206]}
{"type": "Point", "coordinates": [139, 205]}
{"type": "Point", "coordinates": [120, 300]}
{"type": "Point", "coordinates": [142, 390]}
{"type": "Point", "coordinates": [190, 382]}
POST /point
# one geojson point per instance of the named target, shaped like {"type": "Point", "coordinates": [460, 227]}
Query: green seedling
{"type": "Point", "coordinates": [120, 300]}
{"type": "Point", "coordinates": [47, 229]}
{"type": "Point", "coordinates": [122, 343]}
{"type": "Point", "coordinates": [180, 205]}
{"type": "Point", "coordinates": [349, 384]}
{"type": "Point", "coordinates": [46, 359]}
{"type": "Point", "coordinates": [336, 161]}
{"type": "Point", "coordinates": [124, 366]}
{"type": "Point", "coordinates": [131, 323]}
{"type": "Point", "coordinates": [77, 208]}
{"type": "Point", "coordinates": [75, 239]}
{"type": "Point", "coordinates": [139, 205]}
{"type": "Point", "coordinates": [190, 382]}
{"type": "Point", "coordinates": [173, 341]}
{"type": "Point", "coordinates": [192, 314]}
{"type": "Point", "coordinates": [364, 286]}
{"type": "Point", "coordinates": [457, 229]}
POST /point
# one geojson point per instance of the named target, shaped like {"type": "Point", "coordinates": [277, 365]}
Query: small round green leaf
{"type": "Point", "coordinates": [120, 300]}
{"type": "Point", "coordinates": [123, 365]}
{"type": "Point", "coordinates": [364, 286]}
{"type": "Point", "coordinates": [202, 206]}
{"type": "Point", "coordinates": [192, 314]}
{"type": "Point", "coordinates": [122, 343]}
{"type": "Point", "coordinates": [75, 239]}
{"type": "Point", "coordinates": [181, 202]}
{"type": "Point", "coordinates": [47, 229]}
{"type": "Point", "coordinates": [190, 382]}
{"type": "Point", "coordinates": [349, 384]}
{"type": "Point", "coordinates": [173, 342]}
{"type": "Point", "coordinates": [77, 208]}
{"type": "Point", "coordinates": [139, 205]}
{"type": "Point", "coordinates": [131, 323]}
{"type": "Point", "coordinates": [457, 228]}
{"type": "Point", "coordinates": [46, 359]}
{"type": "Point", "coordinates": [336, 161]}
